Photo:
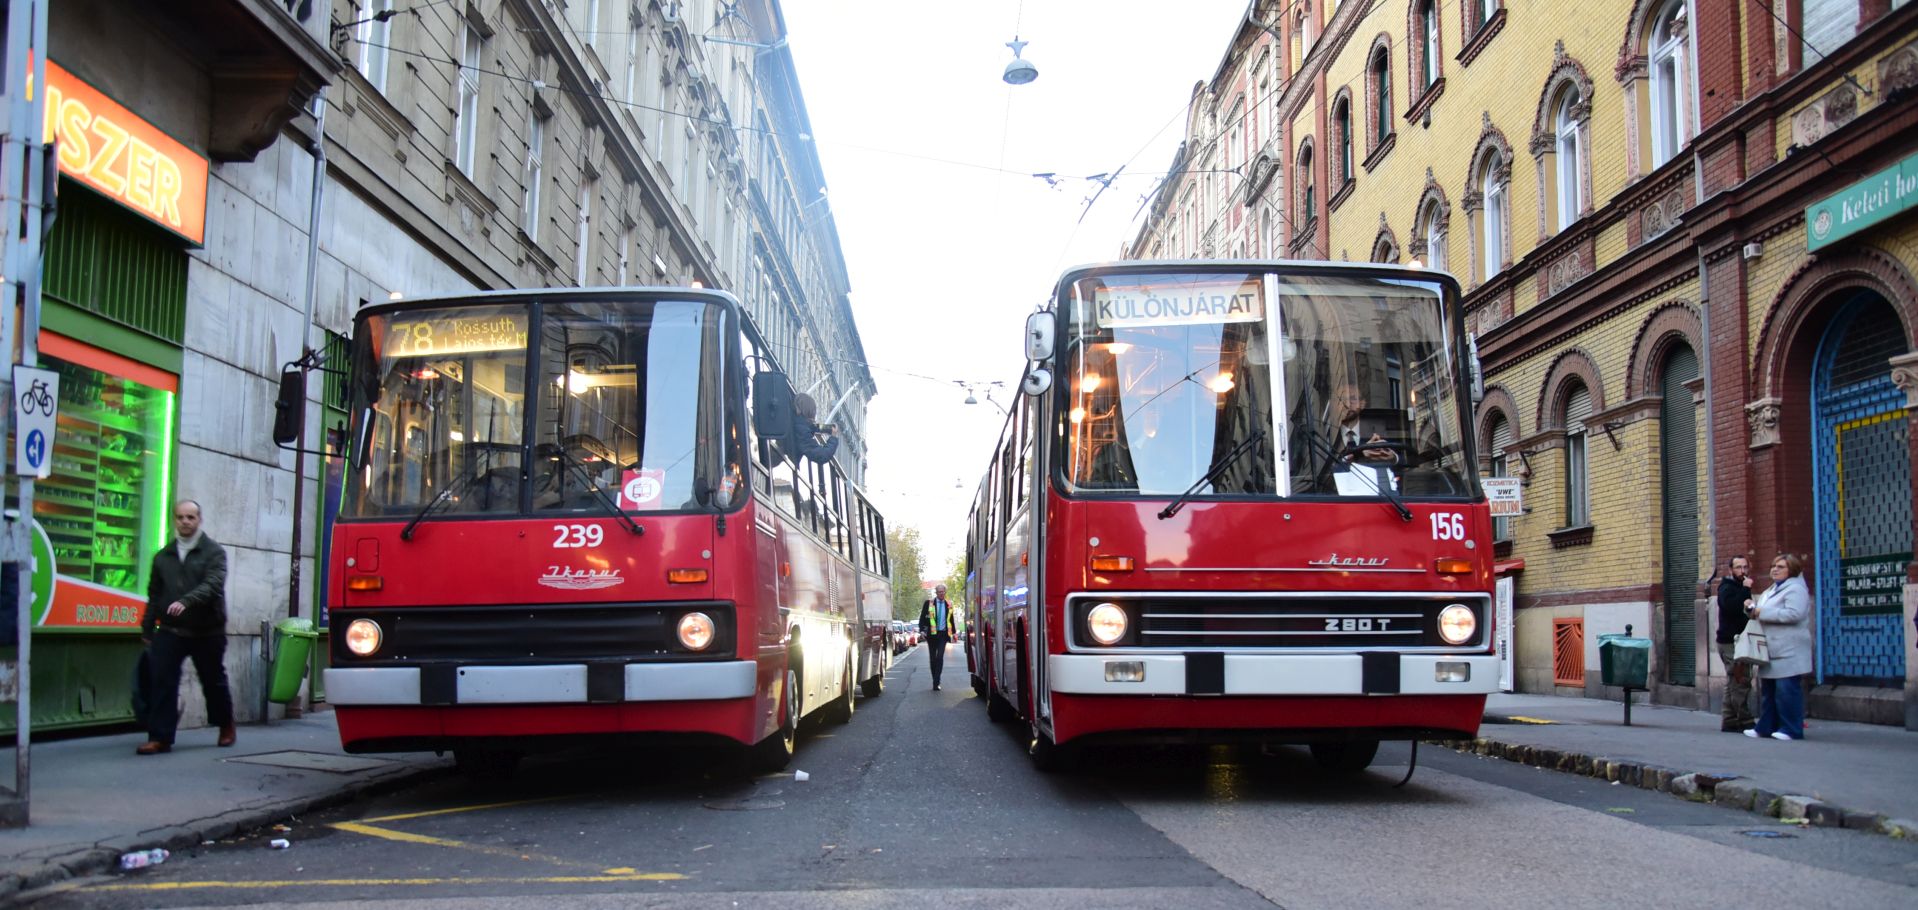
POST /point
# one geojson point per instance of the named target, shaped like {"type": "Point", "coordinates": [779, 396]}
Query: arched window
{"type": "Point", "coordinates": [1486, 10]}
{"type": "Point", "coordinates": [1308, 195]}
{"type": "Point", "coordinates": [1491, 218]}
{"type": "Point", "coordinates": [1432, 231]}
{"type": "Point", "coordinates": [1671, 83]}
{"type": "Point", "coordinates": [1570, 150]}
{"type": "Point", "coordinates": [1381, 97]}
{"type": "Point", "coordinates": [1499, 437]}
{"type": "Point", "coordinates": [1578, 497]}
{"type": "Point", "coordinates": [1342, 134]}
{"type": "Point", "coordinates": [1384, 250]}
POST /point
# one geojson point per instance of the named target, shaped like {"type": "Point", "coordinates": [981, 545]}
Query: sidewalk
{"type": "Point", "coordinates": [1842, 774]}
{"type": "Point", "coordinates": [93, 799]}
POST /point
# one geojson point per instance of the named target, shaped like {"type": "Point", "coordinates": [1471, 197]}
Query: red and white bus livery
{"type": "Point", "coordinates": [1238, 502]}
{"type": "Point", "coordinates": [579, 513]}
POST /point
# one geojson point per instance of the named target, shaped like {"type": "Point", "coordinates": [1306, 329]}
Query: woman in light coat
{"type": "Point", "coordinates": [1785, 611]}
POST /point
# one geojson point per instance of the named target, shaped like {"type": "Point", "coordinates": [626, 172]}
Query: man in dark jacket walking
{"type": "Point", "coordinates": [186, 601]}
{"type": "Point", "coordinates": [1733, 593]}
{"type": "Point", "coordinates": [935, 626]}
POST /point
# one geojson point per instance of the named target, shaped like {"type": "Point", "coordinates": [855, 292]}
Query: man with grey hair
{"type": "Point", "coordinates": [935, 626]}
{"type": "Point", "coordinates": [186, 618]}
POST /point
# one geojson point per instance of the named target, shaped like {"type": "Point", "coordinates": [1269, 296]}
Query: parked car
{"type": "Point", "coordinates": [901, 636]}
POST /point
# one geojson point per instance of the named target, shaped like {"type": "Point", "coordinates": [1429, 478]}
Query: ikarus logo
{"type": "Point", "coordinates": [580, 579]}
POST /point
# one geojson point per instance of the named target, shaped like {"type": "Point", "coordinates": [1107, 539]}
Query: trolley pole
{"type": "Point", "coordinates": [24, 188]}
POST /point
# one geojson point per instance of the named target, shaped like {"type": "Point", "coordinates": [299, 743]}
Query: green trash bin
{"type": "Point", "coordinates": [292, 641]}
{"type": "Point", "coordinates": [1625, 661]}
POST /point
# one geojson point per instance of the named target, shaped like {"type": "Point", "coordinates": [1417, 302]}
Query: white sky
{"type": "Point", "coordinates": [946, 254]}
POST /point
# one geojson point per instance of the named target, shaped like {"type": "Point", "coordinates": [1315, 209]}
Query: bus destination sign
{"type": "Point", "coordinates": [441, 333]}
{"type": "Point", "coordinates": [1184, 303]}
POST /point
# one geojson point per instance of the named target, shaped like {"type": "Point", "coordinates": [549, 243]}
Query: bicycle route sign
{"type": "Point", "coordinates": [36, 404]}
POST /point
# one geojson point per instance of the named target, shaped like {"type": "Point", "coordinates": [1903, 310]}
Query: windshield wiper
{"type": "Point", "coordinates": [1217, 468]}
{"type": "Point", "coordinates": [1318, 446]}
{"type": "Point", "coordinates": [599, 495]}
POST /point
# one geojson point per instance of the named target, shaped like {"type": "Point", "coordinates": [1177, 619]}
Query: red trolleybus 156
{"type": "Point", "coordinates": [1238, 502]}
{"type": "Point", "coordinates": [580, 513]}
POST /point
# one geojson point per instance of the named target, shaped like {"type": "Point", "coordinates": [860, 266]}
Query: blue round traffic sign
{"type": "Point", "coordinates": [36, 449]}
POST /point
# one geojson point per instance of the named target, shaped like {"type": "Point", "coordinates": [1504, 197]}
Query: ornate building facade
{"type": "Point", "coordinates": [1682, 227]}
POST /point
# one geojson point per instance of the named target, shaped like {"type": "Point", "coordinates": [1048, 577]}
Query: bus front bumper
{"type": "Point", "coordinates": [1214, 673]}
{"type": "Point", "coordinates": [445, 684]}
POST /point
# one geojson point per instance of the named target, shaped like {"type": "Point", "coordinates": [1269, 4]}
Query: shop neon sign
{"type": "Point", "coordinates": [129, 160]}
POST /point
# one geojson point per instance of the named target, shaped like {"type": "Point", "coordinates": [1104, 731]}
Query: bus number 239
{"type": "Point", "coordinates": [571, 536]}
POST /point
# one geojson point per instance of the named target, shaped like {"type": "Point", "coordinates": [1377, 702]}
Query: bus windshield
{"type": "Point", "coordinates": [1171, 386]}
{"type": "Point", "coordinates": [624, 411]}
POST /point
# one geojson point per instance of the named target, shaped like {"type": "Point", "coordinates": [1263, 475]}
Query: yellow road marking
{"type": "Point", "coordinates": [411, 838]}
{"type": "Point", "coordinates": [1522, 719]}
{"type": "Point", "coordinates": [390, 882]}
{"type": "Point", "coordinates": [431, 812]}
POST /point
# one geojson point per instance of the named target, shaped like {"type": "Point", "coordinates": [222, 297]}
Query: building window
{"type": "Point", "coordinates": [1342, 130]}
{"type": "Point", "coordinates": [1308, 195]}
{"type": "Point", "coordinates": [1492, 218]}
{"type": "Point", "coordinates": [587, 189]}
{"type": "Point", "coordinates": [1381, 97]}
{"type": "Point", "coordinates": [466, 116]}
{"type": "Point", "coordinates": [632, 61]}
{"type": "Point", "coordinates": [1498, 440]}
{"type": "Point", "coordinates": [1432, 231]}
{"type": "Point", "coordinates": [535, 169]}
{"type": "Point", "coordinates": [1671, 83]}
{"type": "Point", "coordinates": [1428, 43]}
{"type": "Point", "coordinates": [375, 36]}
{"type": "Point", "coordinates": [1486, 10]}
{"type": "Point", "coordinates": [1578, 502]}
{"type": "Point", "coordinates": [1569, 149]}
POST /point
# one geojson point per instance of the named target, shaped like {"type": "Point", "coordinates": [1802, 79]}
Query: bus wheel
{"type": "Point", "coordinates": [872, 688]}
{"type": "Point", "coordinates": [840, 711]}
{"type": "Point", "coordinates": [998, 710]}
{"type": "Point", "coordinates": [776, 751]}
{"type": "Point", "coordinates": [1345, 758]}
{"type": "Point", "coordinates": [1051, 757]}
{"type": "Point", "coordinates": [487, 764]}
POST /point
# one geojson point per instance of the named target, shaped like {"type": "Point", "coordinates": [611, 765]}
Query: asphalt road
{"type": "Point", "coordinates": [921, 801]}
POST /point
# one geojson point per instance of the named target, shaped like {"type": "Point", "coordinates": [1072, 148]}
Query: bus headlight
{"type": "Point", "coordinates": [695, 631]}
{"type": "Point", "coordinates": [1107, 623]}
{"type": "Point", "coordinates": [1457, 623]}
{"type": "Point", "coordinates": [363, 637]}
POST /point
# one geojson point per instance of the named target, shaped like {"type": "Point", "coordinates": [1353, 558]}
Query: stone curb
{"type": "Point", "coordinates": [1697, 786]}
{"type": "Point", "coordinates": [18, 879]}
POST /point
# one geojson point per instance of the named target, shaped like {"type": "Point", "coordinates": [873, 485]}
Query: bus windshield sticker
{"type": "Point", "coordinates": [1182, 303]}
{"type": "Point", "coordinates": [441, 333]}
{"type": "Point", "coordinates": [640, 489]}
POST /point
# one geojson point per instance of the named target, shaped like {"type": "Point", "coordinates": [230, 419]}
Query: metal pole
{"type": "Point", "coordinates": [306, 351]}
{"type": "Point", "coordinates": [20, 200]}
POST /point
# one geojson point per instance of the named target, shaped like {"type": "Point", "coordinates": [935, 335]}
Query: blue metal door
{"type": "Point", "coordinates": [1862, 484]}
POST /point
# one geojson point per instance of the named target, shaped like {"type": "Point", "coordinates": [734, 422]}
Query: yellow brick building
{"type": "Point", "coordinates": [1681, 364]}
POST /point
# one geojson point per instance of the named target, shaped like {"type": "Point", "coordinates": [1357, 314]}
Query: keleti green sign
{"type": "Point", "coordinates": [1862, 204]}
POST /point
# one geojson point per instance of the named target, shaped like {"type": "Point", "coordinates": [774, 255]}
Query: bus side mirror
{"type": "Point", "coordinates": [1477, 377]}
{"type": "Point", "coordinates": [1039, 336]}
{"type": "Point", "coordinates": [1036, 382]}
{"type": "Point", "coordinates": [289, 410]}
{"type": "Point", "coordinates": [772, 407]}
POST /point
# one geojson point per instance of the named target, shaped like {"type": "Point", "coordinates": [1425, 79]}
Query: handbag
{"type": "Point", "coordinates": [1750, 647]}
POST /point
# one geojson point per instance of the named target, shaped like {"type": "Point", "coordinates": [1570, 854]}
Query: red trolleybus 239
{"type": "Point", "coordinates": [590, 513]}
{"type": "Point", "coordinates": [1237, 503]}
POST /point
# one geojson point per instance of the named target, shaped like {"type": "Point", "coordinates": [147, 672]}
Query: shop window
{"type": "Point", "coordinates": [104, 507]}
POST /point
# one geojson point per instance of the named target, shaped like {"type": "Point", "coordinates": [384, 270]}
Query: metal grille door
{"type": "Point", "coordinates": [1862, 461]}
{"type": "Point", "coordinates": [1678, 445]}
